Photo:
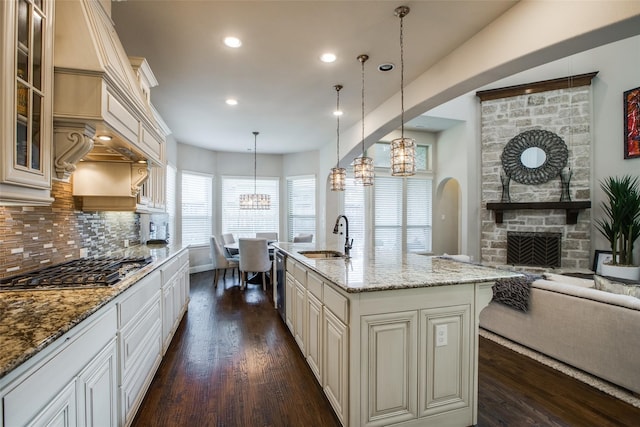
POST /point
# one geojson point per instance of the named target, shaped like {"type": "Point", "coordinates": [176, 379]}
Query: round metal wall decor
{"type": "Point", "coordinates": [554, 149]}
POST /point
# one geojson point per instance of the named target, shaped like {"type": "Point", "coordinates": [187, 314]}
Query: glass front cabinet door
{"type": "Point", "coordinates": [26, 97]}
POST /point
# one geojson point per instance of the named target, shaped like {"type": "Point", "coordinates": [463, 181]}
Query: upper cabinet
{"type": "Point", "coordinates": [26, 48]}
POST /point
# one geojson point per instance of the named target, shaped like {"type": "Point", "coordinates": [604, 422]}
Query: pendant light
{"type": "Point", "coordinates": [255, 201]}
{"type": "Point", "coordinates": [338, 175]}
{"type": "Point", "coordinates": [403, 150]}
{"type": "Point", "coordinates": [363, 166]}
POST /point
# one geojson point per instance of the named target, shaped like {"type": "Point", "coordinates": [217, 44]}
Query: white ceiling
{"type": "Point", "coordinates": [283, 89]}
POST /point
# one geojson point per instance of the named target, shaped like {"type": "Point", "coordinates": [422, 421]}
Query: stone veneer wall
{"type": "Point", "coordinates": [567, 113]}
{"type": "Point", "coordinates": [33, 237]}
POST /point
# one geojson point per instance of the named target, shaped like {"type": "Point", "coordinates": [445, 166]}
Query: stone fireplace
{"type": "Point", "coordinates": [561, 106]}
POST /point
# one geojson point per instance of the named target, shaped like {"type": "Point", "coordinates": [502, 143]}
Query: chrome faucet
{"type": "Point", "coordinates": [347, 243]}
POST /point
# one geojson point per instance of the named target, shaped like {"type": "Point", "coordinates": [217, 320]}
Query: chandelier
{"type": "Point", "coordinates": [363, 166]}
{"type": "Point", "coordinates": [403, 150]}
{"type": "Point", "coordinates": [255, 201]}
{"type": "Point", "coordinates": [338, 175]}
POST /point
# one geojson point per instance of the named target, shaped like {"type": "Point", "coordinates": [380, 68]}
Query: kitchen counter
{"type": "Point", "coordinates": [383, 270]}
{"type": "Point", "coordinates": [31, 320]}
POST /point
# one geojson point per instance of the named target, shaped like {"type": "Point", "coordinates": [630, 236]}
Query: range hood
{"type": "Point", "coordinates": [99, 92]}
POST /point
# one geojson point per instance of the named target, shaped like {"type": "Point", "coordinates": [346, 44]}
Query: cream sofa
{"type": "Point", "coordinates": [568, 320]}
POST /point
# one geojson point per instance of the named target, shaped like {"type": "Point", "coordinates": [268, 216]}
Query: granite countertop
{"type": "Point", "coordinates": [380, 270]}
{"type": "Point", "coordinates": [31, 320]}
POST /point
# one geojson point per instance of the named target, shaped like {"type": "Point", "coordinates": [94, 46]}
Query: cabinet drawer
{"type": "Point", "coordinates": [170, 269]}
{"type": "Point", "coordinates": [137, 296]}
{"type": "Point", "coordinates": [140, 336]}
{"type": "Point", "coordinates": [314, 285]}
{"type": "Point", "coordinates": [335, 302]}
{"type": "Point", "coordinates": [184, 258]}
{"type": "Point", "coordinates": [300, 273]}
{"type": "Point", "coordinates": [290, 265]}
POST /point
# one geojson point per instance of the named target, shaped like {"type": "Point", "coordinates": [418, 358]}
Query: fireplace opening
{"type": "Point", "coordinates": [534, 248]}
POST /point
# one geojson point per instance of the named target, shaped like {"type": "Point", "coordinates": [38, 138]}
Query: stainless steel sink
{"type": "Point", "coordinates": [322, 254]}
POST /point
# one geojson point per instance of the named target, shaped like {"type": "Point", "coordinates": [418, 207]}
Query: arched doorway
{"type": "Point", "coordinates": [446, 218]}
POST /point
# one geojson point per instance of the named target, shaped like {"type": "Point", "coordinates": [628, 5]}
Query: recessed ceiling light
{"type": "Point", "coordinates": [232, 101]}
{"type": "Point", "coordinates": [386, 67]}
{"type": "Point", "coordinates": [104, 138]}
{"type": "Point", "coordinates": [232, 41]}
{"type": "Point", "coordinates": [337, 113]}
{"type": "Point", "coordinates": [327, 57]}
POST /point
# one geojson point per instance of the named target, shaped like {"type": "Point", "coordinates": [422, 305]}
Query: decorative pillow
{"type": "Point", "coordinates": [604, 284]}
{"type": "Point", "coordinates": [513, 292]}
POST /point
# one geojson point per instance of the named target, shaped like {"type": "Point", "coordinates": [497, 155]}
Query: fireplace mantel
{"type": "Point", "coordinates": [572, 208]}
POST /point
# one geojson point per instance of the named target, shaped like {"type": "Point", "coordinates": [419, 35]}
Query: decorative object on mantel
{"type": "Point", "coordinates": [572, 208]}
{"type": "Point", "coordinates": [505, 180]}
{"type": "Point", "coordinates": [565, 179]}
{"type": "Point", "coordinates": [363, 166]}
{"type": "Point", "coordinates": [403, 150]}
{"type": "Point", "coordinates": [621, 225]}
{"type": "Point", "coordinates": [534, 156]}
{"type": "Point", "coordinates": [255, 201]}
{"type": "Point", "coordinates": [338, 175]}
{"type": "Point", "coordinates": [632, 123]}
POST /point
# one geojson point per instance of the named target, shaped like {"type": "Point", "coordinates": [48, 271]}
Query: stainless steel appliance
{"type": "Point", "coordinates": [80, 273]}
{"type": "Point", "coordinates": [154, 228]}
{"type": "Point", "coordinates": [280, 283]}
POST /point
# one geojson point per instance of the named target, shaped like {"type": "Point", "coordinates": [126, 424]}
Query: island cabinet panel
{"type": "Point", "coordinates": [97, 385]}
{"type": "Point", "coordinates": [335, 362]}
{"type": "Point", "coordinates": [314, 335]}
{"type": "Point", "coordinates": [290, 293]}
{"type": "Point", "coordinates": [444, 383]}
{"type": "Point", "coordinates": [389, 368]}
{"type": "Point", "coordinates": [52, 390]}
{"type": "Point", "coordinates": [299, 315]}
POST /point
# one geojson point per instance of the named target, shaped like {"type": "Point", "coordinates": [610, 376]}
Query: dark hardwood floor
{"type": "Point", "coordinates": [232, 363]}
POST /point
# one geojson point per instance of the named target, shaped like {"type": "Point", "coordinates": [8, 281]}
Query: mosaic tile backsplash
{"type": "Point", "coordinates": [33, 237]}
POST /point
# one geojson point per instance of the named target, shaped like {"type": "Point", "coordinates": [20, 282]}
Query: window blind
{"type": "Point", "coordinates": [197, 208]}
{"type": "Point", "coordinates": [301, 206]}
{"type": "Point", "coordinates": [245, 223]}
{"type": "Point", "coordinates": [170, 197]}
{"type": "Point", "coordinates": [354, 209]}
{"type": "Point", "coordinates": [388, 212]}
{"type": "Point", "coordinates": [418, 214]}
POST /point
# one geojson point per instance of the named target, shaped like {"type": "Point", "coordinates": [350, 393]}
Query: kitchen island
{"type": "Point", "coordinates": [86, 356]}
{"type": "Point", "coordinates": [391, 338]}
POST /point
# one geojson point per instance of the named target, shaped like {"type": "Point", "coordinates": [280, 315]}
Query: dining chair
{"type": "Point", "coordinates": [267, 235]}
{"type": "Point", "coordinates": [254, 258]}
{"type": "Point", "coordinates": [303, 238]}
{"type": "Point", "coordinates": [220, 261]}
{"type": "Point", "coordinates": [227, 238]}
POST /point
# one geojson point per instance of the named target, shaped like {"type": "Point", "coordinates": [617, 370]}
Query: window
{"type": "Point", "coordinates": [382, 156]}
{"type": "Point", "coordinates": [245, 223]}
{"type": "Point", "coordinates": [301, 206]}
{"type": "Point", "coordinates": [354, 209]}
{"type": "Point", "coordinates": [403, 213]}
{"type": "Point", "coordinates": [196, 208]}
{"type": "Point", "coordinates": [171, 200]}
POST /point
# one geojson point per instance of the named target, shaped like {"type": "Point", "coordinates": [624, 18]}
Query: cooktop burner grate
{"type": "Point", "coordinates": [81, 273]}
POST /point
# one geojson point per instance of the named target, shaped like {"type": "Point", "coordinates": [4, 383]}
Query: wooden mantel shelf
{"type": "Point", "coordinates": [572, 208]}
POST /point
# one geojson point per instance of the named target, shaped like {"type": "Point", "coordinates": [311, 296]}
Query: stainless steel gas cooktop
{"type": "Point", "coordinates": [80, 273]}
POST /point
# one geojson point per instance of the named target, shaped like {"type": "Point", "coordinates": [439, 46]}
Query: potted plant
{"type": "Point", "coordinates": [621, 225]}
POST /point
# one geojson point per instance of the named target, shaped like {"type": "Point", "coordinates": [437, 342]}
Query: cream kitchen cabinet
{"type": "Point", "coordinates": [73, 382]}
{"type": "Point", "coordinates": [26, 123]}
{"type": "Point", "coordinates": [140, 324]}
{"type": "Point", "coordinates": [175, 296]}
{"type": "Point", "coordinates": [290, 292]}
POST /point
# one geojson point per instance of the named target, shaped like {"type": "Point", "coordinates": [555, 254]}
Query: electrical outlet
{"type": "Point", "coordinates": [441, 335]}
{"type": "Point", "coordinates": [84, 252]}
{"type": "Point", "coordinates": [126, 243]}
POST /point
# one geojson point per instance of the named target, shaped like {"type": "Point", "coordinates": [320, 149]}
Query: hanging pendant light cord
{"type": "Point", "coordinates": [402, 75]}
{"type": "Point", "coordinates": [363, 58]}
{"type": "Point", "coordinates": [255, 161]}
{"type": "Point", "coordinates": [338, 87]}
